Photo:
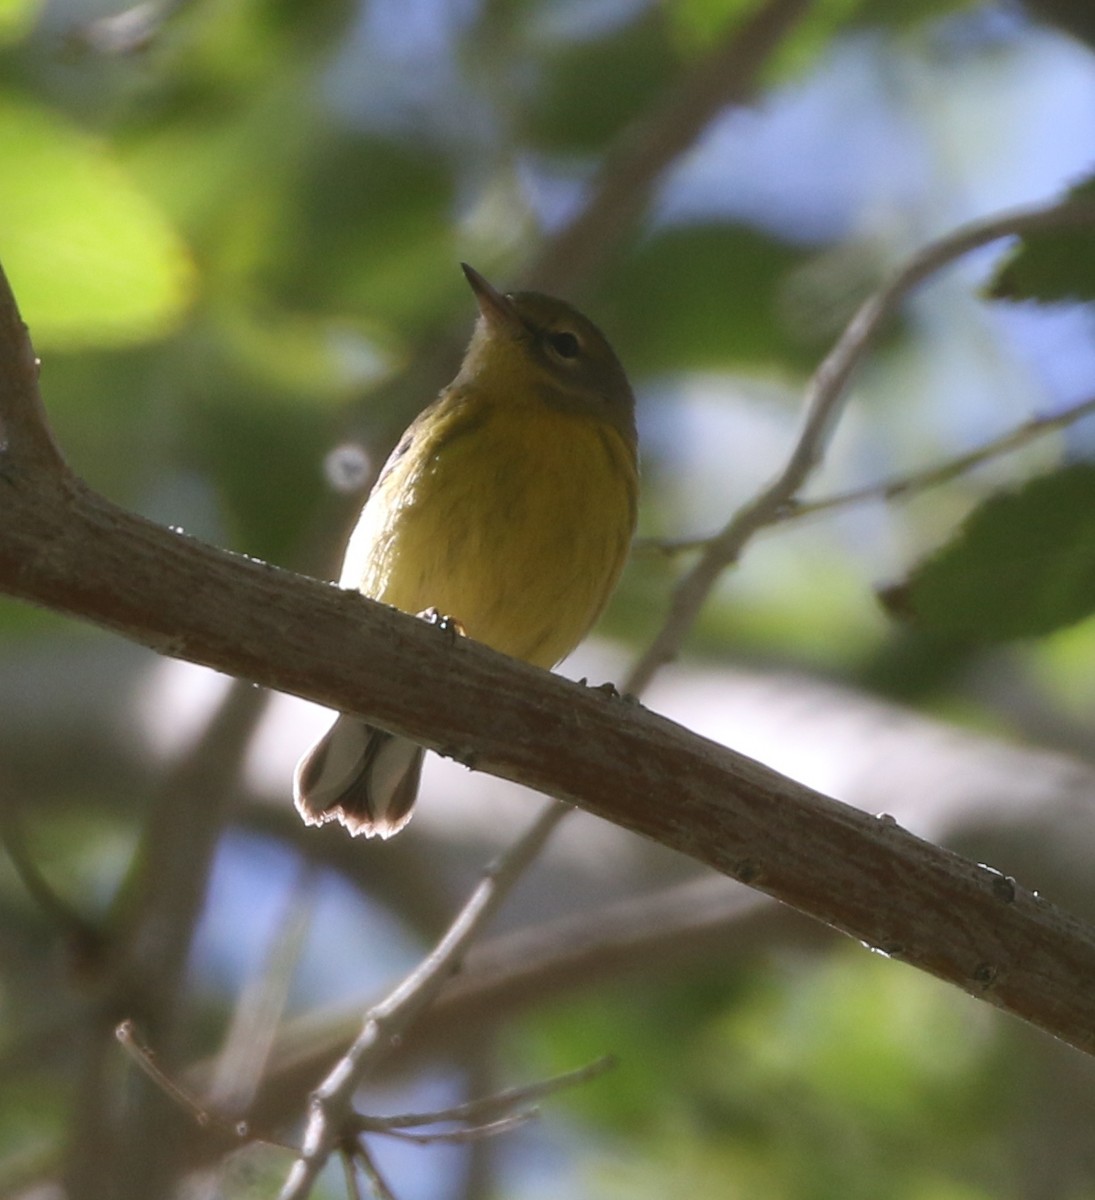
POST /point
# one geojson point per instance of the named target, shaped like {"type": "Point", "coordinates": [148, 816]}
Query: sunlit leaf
{"type": "Point", "coordinates": [16, 17]}
{"type": "Point", "coordinates": [91, 259]}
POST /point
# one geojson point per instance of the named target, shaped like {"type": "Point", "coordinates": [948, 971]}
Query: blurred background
{"type": "Point", "coordinates": [234, 229]}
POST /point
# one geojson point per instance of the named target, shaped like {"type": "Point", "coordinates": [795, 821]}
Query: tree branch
{"type": "Point", "coordinates": [71, 550]}
{"type": "Point", "coordinates": [63, 546]}
{"type": "Point", "coordinates": [1028, 805]}
{"type": "Point", "coordinates": [25, 436]}
{"type": "Point", "coordinates": [824, 396]}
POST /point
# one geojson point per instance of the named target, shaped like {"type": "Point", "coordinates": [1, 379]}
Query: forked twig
{"type": "Point", "coordinates": [360, 1155]}
{"type": "Point", "coordinates": [476, 1120]}
{"type": "Point", "coordinates": [349, 1168]}
{"type": "Point", "coordinates": [487, 1106]}
{"type": "Point", "coordinates": [143, 1057]}
{"type": "Point", "coordinates": [466, 1133]}
{"type": "Point", "coordinates": [904, 486]}
{"type": "Point", "coordinates": [331, 1115]}
{"type": "Point", "coordinates": [911, 484]}
{"type": "Point", "coordinates": [824, 396]}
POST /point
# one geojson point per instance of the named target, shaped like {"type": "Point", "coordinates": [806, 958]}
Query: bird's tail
{"type": "Point", "coordinates": [363, 777]}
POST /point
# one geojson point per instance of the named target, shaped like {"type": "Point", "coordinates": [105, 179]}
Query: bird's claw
{"type": "Point", "coordinates": [443, 622]}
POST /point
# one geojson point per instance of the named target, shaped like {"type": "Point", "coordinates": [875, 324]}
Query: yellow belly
{"type": "Point", "coordinates": [515, 519]}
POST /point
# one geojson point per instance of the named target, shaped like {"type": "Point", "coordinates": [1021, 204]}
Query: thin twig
{"type": "Point", "coordinates": [506, 974]}
{"type": "Point", "coordinates": [361, 1155]}
{"type": "Point", "coordinates": [903, 486]}
{"type": "Point", "coordinates": [141, 1054]}
{"type": "Point", "coordinates": [477, 1110]}
{"type": "Point", "coordinates": [253, 1028]}
{"type": "Point", "coordinates": [349, 1167]}
{"type": "Point", "coordinates": [144, 1057]}
{"type": "Point", "coordinates": [824, 394]}
{"type": "Point", "coordinates": [386, 1023]}
{"type": "Point", "coordinates": [466, 1133]}
{"type": "Point", "coordinates": [247, 1044]}
{"type": "Point", "coordinates": [900, 486]}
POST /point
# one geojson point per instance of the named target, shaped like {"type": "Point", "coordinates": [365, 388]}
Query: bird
{"type": "Point", "coordinates": [508, 505]}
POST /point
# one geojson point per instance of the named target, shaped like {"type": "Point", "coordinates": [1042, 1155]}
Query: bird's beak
{"type": "Point", "coordinates": [497, 310]}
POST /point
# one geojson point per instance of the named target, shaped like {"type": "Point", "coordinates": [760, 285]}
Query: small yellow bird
{"type": "Point", "coordinates": [508, 505]}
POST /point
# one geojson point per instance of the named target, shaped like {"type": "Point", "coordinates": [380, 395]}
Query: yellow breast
{"type": "Point", "coordinates": [514, 518]}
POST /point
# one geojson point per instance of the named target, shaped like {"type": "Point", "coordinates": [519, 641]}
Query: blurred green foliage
{"type": "Point", "coordinates": [653, 302]}
{"type": "Point", "coordinates": [787, 1083]}
{"type": "Point", "coordinates": [234, 227]}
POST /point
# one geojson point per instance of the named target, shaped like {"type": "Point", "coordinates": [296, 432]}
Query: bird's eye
{"type": "Point", "coordinates": [564, 343]}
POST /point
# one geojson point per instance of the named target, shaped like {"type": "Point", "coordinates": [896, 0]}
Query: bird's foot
{"type": "Point", "coordinates": [444, 622]}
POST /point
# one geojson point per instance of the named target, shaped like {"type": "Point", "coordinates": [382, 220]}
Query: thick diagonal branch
{"type": "Point", "coordinates": [65, 547]}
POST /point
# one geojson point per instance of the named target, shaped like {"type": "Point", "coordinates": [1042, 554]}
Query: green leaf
{"type": "Point", "coordinates": [91, 259]}
{"type": "Point", "coordinates": [1023, 564]}
{"type": "Point", "coordinates": [1056, 265]}
{"type": "Point", "coordinates": [702, 297]}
